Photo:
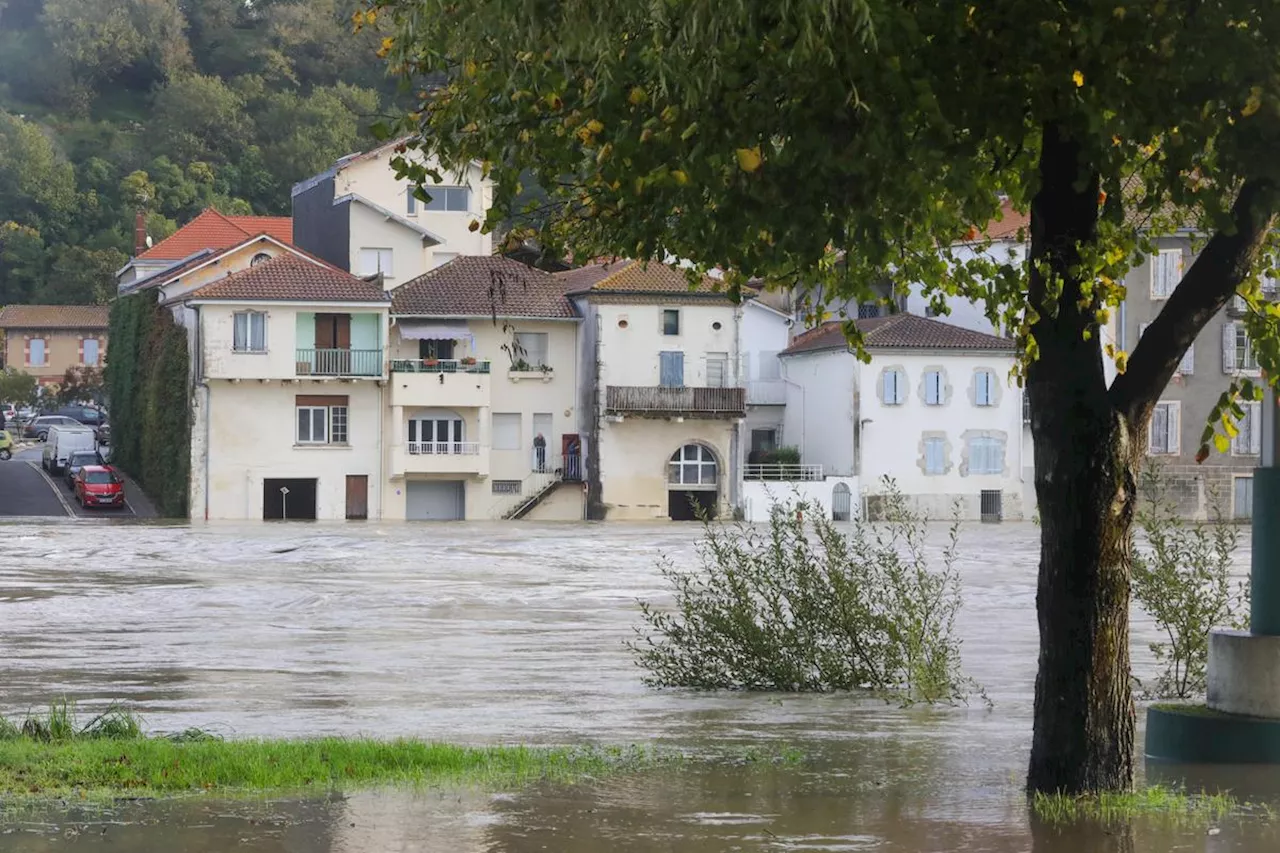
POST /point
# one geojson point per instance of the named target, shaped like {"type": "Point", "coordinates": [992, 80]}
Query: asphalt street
{"type": "Point", "coordinates": [25, 490]}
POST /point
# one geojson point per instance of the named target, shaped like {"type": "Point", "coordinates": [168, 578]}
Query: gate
{"type": "Point", "coordinates": [841, 503]}
{"type": "Point", "coordinates": [992, 509]}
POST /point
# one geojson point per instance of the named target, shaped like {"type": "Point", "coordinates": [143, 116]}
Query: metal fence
{"type": "Point", "coordinates": [340, 362]}
{"type": "Point", "coordinates": [780, 471]}
{"type": "Point", "coordinates": [443, 448]}
{"type": "Point", "coordinates": [438, 365]}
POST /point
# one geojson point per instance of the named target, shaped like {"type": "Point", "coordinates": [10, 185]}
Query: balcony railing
{"type": "Point", "coordinates": [340, 362]}
{"type": "Point", "coordinates": [672, 402]}
{"type": "Point", "coordinates": [767, 392]}
{"type": "Point", "coordinates": [443, 448]}
{"type": "Point", "coordinates": [782, 471]}
{"type": "Point", "coordinates": [441, 365]}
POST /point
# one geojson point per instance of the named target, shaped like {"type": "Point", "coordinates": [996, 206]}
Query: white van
{"type": "Point", "coordinates": [62, 442]}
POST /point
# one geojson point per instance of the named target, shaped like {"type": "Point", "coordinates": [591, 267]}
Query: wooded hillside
{"type": "Point", "coordinates": [168, 105]}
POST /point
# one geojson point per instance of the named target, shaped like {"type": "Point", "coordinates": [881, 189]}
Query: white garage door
{"type": "Point", "coordinates": [433, 500]}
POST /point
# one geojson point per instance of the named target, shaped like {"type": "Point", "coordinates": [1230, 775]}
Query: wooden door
{"type": "Point", "coordinates": [357, 496]}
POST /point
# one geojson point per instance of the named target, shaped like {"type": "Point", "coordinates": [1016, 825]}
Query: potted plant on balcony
{"type": "Point", "coordinates": [468, 361]}
{"type": "Point", "coordinates": [431, 363]}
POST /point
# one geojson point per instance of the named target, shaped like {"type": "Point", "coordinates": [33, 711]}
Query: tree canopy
{"type": "Point", "coordinates": [169, 106]}
{"type": "Point", "coordinates": [850, 142]}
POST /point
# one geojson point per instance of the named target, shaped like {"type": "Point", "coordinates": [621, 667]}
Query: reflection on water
{"type": "Point", "coordinates": [487, 633]}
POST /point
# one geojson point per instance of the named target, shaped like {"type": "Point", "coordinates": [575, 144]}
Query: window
{"type": "Point", "coordinates": [531, 349]}
{"type": "Point", "coordinates": [1166, 272]}
{"type": "Point", "coordinates": [506, 431]}
{"type": "Point", "coordinates": [1166, 429]}
{"type": "Point", "coordinates": [36, 352]}
{"type": "Point", "coordinates": [934, 391]}
{"type": "Point", "coordinates": [1188, 364]}
{"type": "Point", "coordinates": [1242, 499]}
{"type": "Point", "coordinates": [321, 419]}
{"type": "Point", "coordinates": [506, 487]}
{"type": "Point", "coordinates": [984, 391]}
{"type": "Point", "coordinates": [89, 349]}
{"type": "Point", "coordinates": [438, 350]}
{"type": "Point", "coordinates": [986, 455]}
{"type": "Point", "coordinates": [764, 440]}
{"type": "Point", "coordinates": [250, 331]}
{"type": "Point", "coordinates": [1248, 441]}
{"type": "Point", "coordinates": [411, 202]}
{"type": "Point", "coordinates": [935, 456]}
{"type": "Point", "coordinates": [893, 386]}
{"type": "Point", "coordinates": [374, 261]}
{"type": "Point", "coordinates": [671, 321]}
{"type": "Point", "coordinates": [260, 258]}
{"type": "Point", "coordinates": [717, 369]}
{"type": "Point", "coordinates": [449, 199]}
{"type": "Point", "coordinates": [441, 434]}
{"type": "Point", "coordinates": [692, 465]}
{"type": "Point", "coordinates": [1237, 353]}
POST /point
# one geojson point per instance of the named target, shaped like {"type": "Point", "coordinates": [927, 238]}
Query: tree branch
{"type": "Point", "coordinates": [1204, 290]}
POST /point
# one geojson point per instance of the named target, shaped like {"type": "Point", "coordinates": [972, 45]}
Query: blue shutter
{"type": "Point", "coordinates": [671, 369]}
{"type": "Point", "coordinates": [932, 389]}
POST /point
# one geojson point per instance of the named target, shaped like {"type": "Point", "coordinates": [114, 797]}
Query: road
{"type": "Point", "coordinates": [25, 490]}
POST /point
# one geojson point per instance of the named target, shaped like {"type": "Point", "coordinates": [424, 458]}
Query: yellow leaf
{"type": "Point", "coordinates": [749, 159]}
{"type": "Point", "coordinates": [474, 226]}
{"type": "Point", "coordinates": [1078, 79]}
{"type": "Point", "coordinates": [1229, 427]}
{"type": "Point", "coordinates": [595, 126]}
{"type": "Point", "coordinates": [371, 15]}
{"type": "Point", "coordinates": [1221, 442]}
{"type": "Point", "coordinates": [1253, 103]}
{"type": "Point", "coordinates": [637, 96]}
{"type": "Point", "coordinates": [1122, 361]}
{"type": "Point", "coordinates": [680, 176]}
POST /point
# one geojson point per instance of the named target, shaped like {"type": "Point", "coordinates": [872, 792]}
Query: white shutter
{"type": "Point", "coordinates": [1228, 347]}
{"type": "Point", "coordinates": [1188, 363]}
{"type": "Point", "coordinates": [1254, 411]}
{"type": "Point", "coordinates": [506, 431]}
{"type": "Point", "coordinates": [887, 392]}
{"type": "Point", "coordinates": [1175, 429]}
{"type": "Point", "coordinates": [1158, 431]}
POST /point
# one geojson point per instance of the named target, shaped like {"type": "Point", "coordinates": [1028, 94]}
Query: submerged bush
{"type": "Point", "coordinates": [807, 607]}
{"type": "Point", "coordinates": [1183, 580]}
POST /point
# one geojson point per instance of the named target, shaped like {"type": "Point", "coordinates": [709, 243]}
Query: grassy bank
{"type": "Point", "coordinates": [51, 756]}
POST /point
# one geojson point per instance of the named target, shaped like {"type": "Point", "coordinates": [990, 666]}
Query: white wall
{"type": "Point", "coordinates": [821, 409]}
{"type": "Point", "coordinates": [375, 180]}
{"type": "Point", "coordinates": [629, 356]}
{"type": "Point", "coordinates": [892, 439]}
{"type": "Point", "coordinates": [759, 497]}
{"type": "Point", "coordinates": [371, 230]}
{"type": "Point", "coordinates": [280, 361]}
{"type": "Point", "coordinates": [252, 436]}
{"type": "Point", "coordinates": [765, 333]}
{"type": "Point", "coordinates": [964, 313]}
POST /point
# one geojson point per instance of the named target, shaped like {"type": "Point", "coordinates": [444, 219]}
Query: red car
{"type": "Point", "coordinates": [98, 485]}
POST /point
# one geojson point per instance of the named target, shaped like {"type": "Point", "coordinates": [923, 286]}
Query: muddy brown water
{"type": "Point", "coordinates": [513, 634]}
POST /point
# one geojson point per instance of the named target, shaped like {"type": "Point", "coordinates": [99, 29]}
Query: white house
{"type": "Point", "coordinates": [662, 397]}
{"type": "Point", "coordinates": [766, 331]}
{"type": "Point", "coordinates": [289, 368]}
{"type": "Point", "coordinates": [483, 394]}
{"type": "Point", "coordinates": [361, 218]}
{"type": "Point", "coordinates": [934, 409]}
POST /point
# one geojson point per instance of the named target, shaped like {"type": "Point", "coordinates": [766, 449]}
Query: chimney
{"type": "Point", "coordinates": [139, 233]}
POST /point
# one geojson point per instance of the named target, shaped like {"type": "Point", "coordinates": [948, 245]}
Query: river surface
{"type": "Point", "coordinates": [513, 633]}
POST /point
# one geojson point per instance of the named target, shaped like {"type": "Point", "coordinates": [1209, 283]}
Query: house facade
{"type": "Point", "coordinates": [662, 396]}
{"type": "Point", "coordinates": [359, 217]}
{"type": "Point", "coordinates": [210, 231]}
{"type": "Point", "coordinates": [483, 420]}
{"type": "Point", "coordinates": [766, 332]}
{"type": "Point", "coordinates": [934, 409]}
{"type": "Point", "coordinates": [46, 340]}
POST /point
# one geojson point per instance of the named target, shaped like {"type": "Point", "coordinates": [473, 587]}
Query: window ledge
{"type": "Point", "coordinates": [316, 446]}
{"type": "Point", "coordinates": [530, 375]}
{"type": "Point", "coordinates": [235, 351]}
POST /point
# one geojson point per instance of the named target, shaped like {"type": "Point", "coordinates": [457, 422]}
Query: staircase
{"type": "Point", "coordinates": [539, 484]}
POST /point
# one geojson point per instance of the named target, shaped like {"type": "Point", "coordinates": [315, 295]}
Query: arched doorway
{"type": "Point", "coordinates": [693, 483]}
{"type": "Point", "coordinates": [841, 503]}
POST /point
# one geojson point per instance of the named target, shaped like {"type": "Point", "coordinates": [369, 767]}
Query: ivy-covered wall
{"type": "Point", "coordinates": [146, 378]}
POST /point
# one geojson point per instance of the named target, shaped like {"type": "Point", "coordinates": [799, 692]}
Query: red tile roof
{"type": "Point", "coordinates": [482, 286]}
{"type": "Point", "coordinates": [1008, 224]}
{"type": "Point", "coordinates": [290, 277]}
{"type": "Point", "coordinates": [212, 230]}
{"type": "Point", "coordinates": [898, 331]}
{"type": "Point", "coordinates": [54, 317]}
{"type": "Point", "coordinates": [635, 277]}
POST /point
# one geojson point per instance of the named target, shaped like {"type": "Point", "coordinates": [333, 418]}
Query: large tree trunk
{"type": "Point", "coordinates": [1085, 454]}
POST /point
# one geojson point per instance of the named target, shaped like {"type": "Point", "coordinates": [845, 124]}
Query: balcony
{"type": "Point", "coordinates": [661, 402]}
{"type": "Point", "coordinates": [340, 362]}
{"type": "Point", "coordinates": [445, 383]}
{"type": "Point", "coordinates": [440, 457]}
{"type": "Point", "coordinates": [766, 392]}
{"type": "Point", "coordinates": [783, 471]}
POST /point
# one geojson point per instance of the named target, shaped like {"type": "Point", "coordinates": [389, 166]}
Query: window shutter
{"type": "Point", "coordinates": [1228, 347]}
{"type": "Point", "coordinates": [1188, 363]}
{"type": "Point", "coordinates": [1175, 430]}
{"type": "Point", "coordinates": [899, 387]}
{"type": "Point", "coordinates": [1158, 431]}
{"type": "Point", "coordinates": [931, 382]}
{"type": "Point", "coordinates": [1254, 412]}
{"type": "Point", "coordinates": [888, 390]}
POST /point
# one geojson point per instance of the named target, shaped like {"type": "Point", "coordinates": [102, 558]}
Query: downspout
{"type": "Point", "coordinates": [202, 383]}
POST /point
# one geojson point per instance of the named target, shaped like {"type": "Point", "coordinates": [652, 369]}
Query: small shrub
{"type": "Point", "coordinates": [805, 607]}
{"type": "Point", "coordinates": [1183, 580]}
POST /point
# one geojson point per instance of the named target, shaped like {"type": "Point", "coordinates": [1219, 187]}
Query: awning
{"type": "Point", "coordinates": [427, 330]}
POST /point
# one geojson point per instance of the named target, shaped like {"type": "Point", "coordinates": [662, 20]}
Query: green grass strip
{"type": "Point", "coordinates": [161, 767]}
{"type": "Point", "coordinates": [1169, 804]}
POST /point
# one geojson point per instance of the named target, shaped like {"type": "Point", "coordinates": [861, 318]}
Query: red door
{"type": "Point", "coordinates": [571, 452]}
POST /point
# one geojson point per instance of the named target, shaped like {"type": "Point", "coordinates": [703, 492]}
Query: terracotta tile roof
{"type": "Point", "coordinates": [1007, 225]}
{"type": "Point", "coordinates": [54, 317]}
{"type": "Point", "coordinates": [482, 286]}
{"type": "Point", "coordinates": [212, 230]}
{"type": "Point", "coordinates": [898, 331]}
{"type": "Point", "coordinates": [634, 277]}
{"type": "Point", "coordinates": [290, 277]}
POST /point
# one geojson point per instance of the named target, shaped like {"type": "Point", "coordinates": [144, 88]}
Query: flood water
{"type": "Point", "coordinates": [513, 634]}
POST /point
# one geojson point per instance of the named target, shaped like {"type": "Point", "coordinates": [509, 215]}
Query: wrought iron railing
{"type": "Point", "coordinates": [782, 471]}
{"type": "Point", "coordinates": [438, 365]}
{"type": "Point", "coordinates": [443, 448]}
{"type": "Point", "coordinates": [340, 362]}
{"type": "Point", "coordinates": [651, 399]}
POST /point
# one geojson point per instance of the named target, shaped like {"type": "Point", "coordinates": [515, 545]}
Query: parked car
{"type": "Point", "coordinates": [10, 413]}
{"type": "Point", "coordinates": [87, 415]}
{"type": "Point", "coordinates": [38, 428]}
{"type": "Point", "coordinates": [98, 485]}
{"type": "Point", "coordinates": [77, 460]}
{"type": "Point", "coordinates": [26, 413]}
{"type": "Point", "coordinates": [63, 440]}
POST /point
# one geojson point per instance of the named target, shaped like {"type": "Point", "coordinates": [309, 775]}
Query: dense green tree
{"type": "Point", "coordinates": [767, 136]}
{"type": "Point", "coordinates": [37, 184]}
{"type": "Point", "coordinates": [22, 260]}
{"type": "Point", "coordinates": [17, 387]}
{"type": "Point", "coordinates": [202, 118]}
{"type": "Point", "coordinates": [80, 276]}
{"type": "Point", "coordinates": [300, 133]}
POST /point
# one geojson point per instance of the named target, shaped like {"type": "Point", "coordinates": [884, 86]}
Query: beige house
{"type": "Point", "coordinates": [46, 340]}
